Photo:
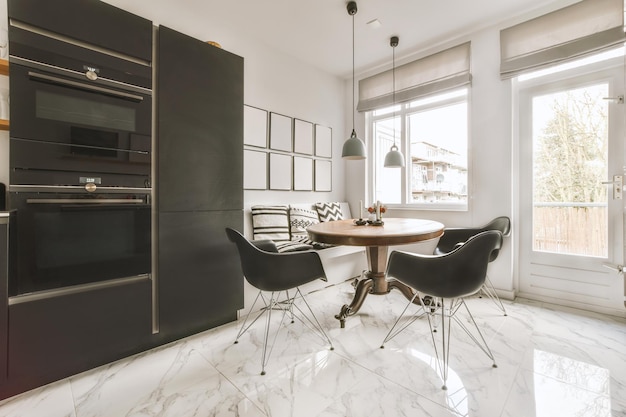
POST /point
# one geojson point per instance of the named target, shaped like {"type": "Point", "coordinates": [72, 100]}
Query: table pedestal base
{"type": "Point", "coordinates": [376, 286]}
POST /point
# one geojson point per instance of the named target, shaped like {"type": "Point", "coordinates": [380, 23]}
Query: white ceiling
{"type": "Point", "coordinates": [319, 32]}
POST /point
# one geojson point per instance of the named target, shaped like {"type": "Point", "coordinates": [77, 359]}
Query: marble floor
{"type": "Point", "coordinates": [552, 361]}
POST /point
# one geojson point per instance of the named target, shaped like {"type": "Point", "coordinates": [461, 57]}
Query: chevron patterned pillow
{"type": "Point", "coordinates": [329, 212]}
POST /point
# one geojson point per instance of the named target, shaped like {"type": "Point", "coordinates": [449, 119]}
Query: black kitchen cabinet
{"type": "Point", "coordinates": [199, 183]}
{"type": "Point", "coordinates": [56, 336]}
{"type": "Point", "coordinates": [4, 279]}
{"type": "Point", "coordinates": [200, 281]}
{"type": "Point", "coordinates": [200, 125]}
{"type": "Point", "coordinates": [91, 21]}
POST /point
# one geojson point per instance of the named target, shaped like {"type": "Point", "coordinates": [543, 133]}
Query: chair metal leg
{"type": "Point", "coordinates": [393, 332]}
{"type": "Point", "coordinates": [286, 306]}
{"type": "Point", "coordinates": [243, 327]}
{"type": "Point", "coordinates": [445, 342]}
{"type": "Point", "coordinates": [482, 343]}
{"type": "Point", "coordinates": [446, 327]}
{"type": "Point", "coordinates": [310, 322]}
{"type": "Point", "coordinates": [266, 335]}
{"type": "Point", "coordinates": [489, 290]}
{"type": "Point", "coordinates": [274, 305]}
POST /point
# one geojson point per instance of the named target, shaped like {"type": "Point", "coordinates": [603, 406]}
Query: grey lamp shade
{"type": "Point", "coordinates": [353, 148]}
{"type": "Point", "coordinates": [394, 158]}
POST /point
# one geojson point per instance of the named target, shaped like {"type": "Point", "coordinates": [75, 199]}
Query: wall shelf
{"type": "Point", "coordinates": [4, 70]}
{"type": "Point", "coordinates": [4, 67]}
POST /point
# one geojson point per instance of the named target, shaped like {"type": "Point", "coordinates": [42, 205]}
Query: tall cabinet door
{"type": "Point", "coordinates": [200, 125]}
{"type": "Point", "coordinates": [199, 184]}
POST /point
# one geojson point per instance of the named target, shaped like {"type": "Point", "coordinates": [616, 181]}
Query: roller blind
{"type": "Point", "coordinates": [574, 31]}
{"type": "Point", "coordinates": [438, 72]}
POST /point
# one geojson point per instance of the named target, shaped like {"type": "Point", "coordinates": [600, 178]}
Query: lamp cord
{"type": "Point", "coordinates": [353, 89]}
{"type": "Point", "coordinates": [393, 78]}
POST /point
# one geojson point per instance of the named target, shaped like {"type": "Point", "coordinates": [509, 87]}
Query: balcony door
{"type": "Point", "coordinates": [571, 211]}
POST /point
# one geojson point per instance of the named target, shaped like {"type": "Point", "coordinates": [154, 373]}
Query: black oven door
{"type": "Point", "coordinates": [68, 238]}
{"type": "Point", "coordinates": [64, 122]}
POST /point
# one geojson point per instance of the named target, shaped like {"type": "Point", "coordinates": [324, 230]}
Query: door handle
{"type": "Point", "coordinates": [618, 184]}
{"type": "Point", "coordinates": [82, 86]}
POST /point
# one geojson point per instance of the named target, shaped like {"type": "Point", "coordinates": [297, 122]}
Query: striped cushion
{"type": "Point", "coordinates": [270, 222]}
{"type": "Point", "coordinates": [329, 212]}
{"type": "Point", "coordinates": [292, 246]}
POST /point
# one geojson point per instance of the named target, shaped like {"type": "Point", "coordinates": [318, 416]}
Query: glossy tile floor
{"type": "Point", "coordinates": [553, 361]}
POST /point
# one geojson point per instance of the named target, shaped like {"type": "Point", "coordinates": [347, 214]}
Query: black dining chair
{"type": "Point", "coordinates": [452, 237]}
{"type": "Point", "coordinates": [277, 273]}
{"type": "Point", "coordinates": [447, 278]}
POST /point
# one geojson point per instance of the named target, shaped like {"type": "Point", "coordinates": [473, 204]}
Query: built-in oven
{"type": "Point", "coordinates": [69, 236]}
{"type": "Point", "coordinates": [77, 110]}
{"type": "Point", "coordinates": [80, 164]}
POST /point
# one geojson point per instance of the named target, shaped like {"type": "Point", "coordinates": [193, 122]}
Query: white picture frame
{"type": "Point", "coordinates": [255, 170]}
{"type": "Point", "coordinates": [323, 175]}
{"type": "Point", "coordinates": [302, 173]}
{"type": "Point", "coordinates": [323, 141]}
{"type": "Point", "coordinates": [280, 171]}
{"type": "Point", "coordinates": [302, 137]}
{"type": "Point", "coordinates": [280, 132]}
{"type": "Point", "coordinates": [254, 127]}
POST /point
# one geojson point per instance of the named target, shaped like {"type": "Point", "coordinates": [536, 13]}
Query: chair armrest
{"type": "Point", "coordinates": [266, 245]}
{"type": "Point", "coordinates": [451, 237]}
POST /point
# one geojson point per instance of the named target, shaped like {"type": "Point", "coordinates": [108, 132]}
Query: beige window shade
{"type": "Point", "coordinates": [574, 31]}
{"type": "Point", "coordinates": [438, 72]}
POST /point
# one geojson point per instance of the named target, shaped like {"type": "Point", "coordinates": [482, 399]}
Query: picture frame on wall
{"type": "Point", "coordinates": [323, 175]}
{"type": "Point", "coordinates": [255, 173]}
{"type": "Point", "coordinates": [254, 127]}
{"type": "Point", "coordinates": [280, 132]}
{"type": "Point", "coordinates": [323, 141]}
{"type": "Point", "coordinates": [280, 171]}
{"type": "Point", "coordinates": [303, 137]}
{"type": "Point", "coordinates": [302, 173]}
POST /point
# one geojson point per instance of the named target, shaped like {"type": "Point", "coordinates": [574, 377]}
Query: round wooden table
{"type": "Point", "coordinates": [376, 239]}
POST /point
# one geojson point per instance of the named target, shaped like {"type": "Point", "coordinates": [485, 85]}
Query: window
{"type": "Point", "coordinates": [432, 133]}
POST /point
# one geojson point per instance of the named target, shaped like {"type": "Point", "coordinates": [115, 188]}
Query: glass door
{"type": "Point", "coordinates": [571, 203]}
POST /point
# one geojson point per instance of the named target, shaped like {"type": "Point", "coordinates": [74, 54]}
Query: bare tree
{"type": "Point", "coordinates": [571, 154]}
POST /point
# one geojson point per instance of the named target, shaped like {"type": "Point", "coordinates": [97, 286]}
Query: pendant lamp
{"type": "Point", "coordinates": [394, 158]}
{"type": "Point", "coordinates": [353, 148]}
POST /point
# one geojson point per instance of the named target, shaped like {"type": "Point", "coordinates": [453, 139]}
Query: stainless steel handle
{"type": "Point", "coordinates": [82, 86]}
{"type": "Point", "coordinates": [73, 189]}
{"type": "Point", "coordinates": [85, 201]}
{"type": "Point", "coordinates": [42, 295]}
{"type": "Point", "coordinates": [618, 186]}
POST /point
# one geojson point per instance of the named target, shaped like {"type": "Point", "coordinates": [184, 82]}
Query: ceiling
{"type": "Point", "coordinates": [319, 32]}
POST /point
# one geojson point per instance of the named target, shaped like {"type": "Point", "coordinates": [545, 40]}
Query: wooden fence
{"type": "Point", "coordinates": [579, 230]}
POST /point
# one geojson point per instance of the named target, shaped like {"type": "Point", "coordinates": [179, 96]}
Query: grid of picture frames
{"type": "Point", "coordinates": [285, 153]}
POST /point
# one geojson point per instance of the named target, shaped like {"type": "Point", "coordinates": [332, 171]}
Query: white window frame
{"type": "Point", "coordinates": [404, 110]}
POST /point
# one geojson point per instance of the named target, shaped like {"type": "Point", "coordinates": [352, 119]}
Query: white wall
{"type": "Point", "coordinates": [272, 81]}
{"type": "Point", "coordinates": [490, 153]}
